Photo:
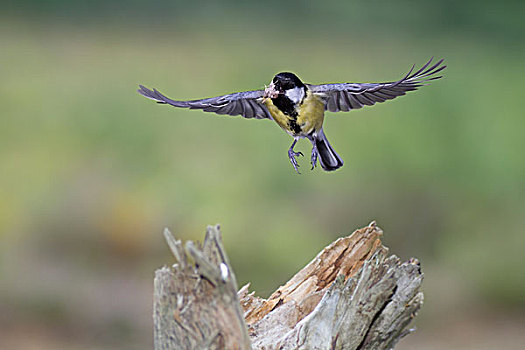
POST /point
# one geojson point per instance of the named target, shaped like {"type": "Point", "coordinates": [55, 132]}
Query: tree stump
{"type": "Point", "coordinates": [352, 295]}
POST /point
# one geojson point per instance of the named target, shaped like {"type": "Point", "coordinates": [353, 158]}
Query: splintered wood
{"type": "Point", "coordinates": [352, 295]}
{"type": "Point", "coordinates": [344, 256]}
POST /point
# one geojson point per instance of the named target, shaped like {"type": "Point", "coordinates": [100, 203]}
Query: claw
{"type": "Point", "coordinates": [292, 154]}
{"type": "Point", "coordinates": [314, 157]}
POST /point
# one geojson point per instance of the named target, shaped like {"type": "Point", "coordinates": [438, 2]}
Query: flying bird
{"type": "Point", "coordinates": [298, 108]}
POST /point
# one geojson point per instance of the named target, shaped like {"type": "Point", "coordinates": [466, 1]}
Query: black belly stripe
{"type": "Point", "coordinates": [286, 106]}
{"type": "Point", "coordinates": [292, 123]}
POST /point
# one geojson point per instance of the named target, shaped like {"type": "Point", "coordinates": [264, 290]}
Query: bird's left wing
{"type": "Point", "coordinates": [247, 103]}
{"type": "Point", "coordinates": [347, 96]}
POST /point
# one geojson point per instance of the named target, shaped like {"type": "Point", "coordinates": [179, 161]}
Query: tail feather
{"type": "Point", "coordinates": [328, 158]}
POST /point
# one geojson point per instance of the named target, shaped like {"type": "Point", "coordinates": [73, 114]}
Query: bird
{"type": "Point", "coordinates": [299, 108]}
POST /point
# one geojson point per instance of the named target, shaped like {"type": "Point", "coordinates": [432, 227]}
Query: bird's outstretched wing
{"type": "Point", "coordinates": [245, 103]}
{"type": "Point", "coordinates": [347, 96]}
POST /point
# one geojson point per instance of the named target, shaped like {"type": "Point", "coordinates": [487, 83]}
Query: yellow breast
{"type": "Point", "coordinates": [310, 115]}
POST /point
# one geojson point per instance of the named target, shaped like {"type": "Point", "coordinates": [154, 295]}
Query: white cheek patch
{"type": "Point", "coordinates": [296, 94]}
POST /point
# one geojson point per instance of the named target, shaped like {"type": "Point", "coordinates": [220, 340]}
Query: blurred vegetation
{"type": "Point", "coordinates": [91, 172]}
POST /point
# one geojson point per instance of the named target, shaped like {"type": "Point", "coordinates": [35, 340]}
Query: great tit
{"type": "Point", "coordinates": [298, 108]}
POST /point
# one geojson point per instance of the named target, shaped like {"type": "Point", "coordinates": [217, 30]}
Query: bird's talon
{"type": "Point", "coordinates": [295, 165]}
{"type": "Point", "coordinates": [292, 155]}
{"type": "Point", "coordinates": [314, 157]}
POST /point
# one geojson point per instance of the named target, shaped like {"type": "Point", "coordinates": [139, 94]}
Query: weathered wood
{"type": "Point", "coordinates": [195, 303]}
{"type": "Point", "coordinates": [352, 295]}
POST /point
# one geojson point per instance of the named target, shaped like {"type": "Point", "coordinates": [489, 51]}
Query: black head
{"type": "Point", "coordinates": [285, 81]}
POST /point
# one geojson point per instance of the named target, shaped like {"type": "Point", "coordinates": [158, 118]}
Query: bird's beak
{"type": "Point", "coordinates": [270, 92]}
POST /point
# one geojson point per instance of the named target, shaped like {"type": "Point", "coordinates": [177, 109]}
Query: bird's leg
{"type": "Point", "coordinates": [292, 154]}
{"type": "Point", "coordinates": [314, 155]}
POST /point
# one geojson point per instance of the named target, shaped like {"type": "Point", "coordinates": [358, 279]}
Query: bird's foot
{"type": "Point", "coordinates": [291, 155]}
{"type": "Point", "coordinates": [314, 157]}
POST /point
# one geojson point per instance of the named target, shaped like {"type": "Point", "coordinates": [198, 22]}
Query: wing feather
{"type": "Point", "coordinates": [331, 104]}
{"type": "Point", "coordinates": [373, 97]}
{"type": "Point", "coordinates": [354, 103]}
{"type": "Point", "coordinates": [347, 96]}
{"type": "Point", "coordinates": [344, 101]}
{"type": "Point", "coordinates": [247, 109]}
{"type": "Point", "coordinates": [247, 103]}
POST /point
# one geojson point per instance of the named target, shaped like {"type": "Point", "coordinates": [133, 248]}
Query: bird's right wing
{"type": "Point", "coordinates": [247, 104]}
{"type": "Point", "coordinates": [347, 96]}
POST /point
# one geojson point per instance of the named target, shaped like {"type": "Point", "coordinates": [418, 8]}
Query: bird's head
{"type": "Point", "coordinates": [286, 84]}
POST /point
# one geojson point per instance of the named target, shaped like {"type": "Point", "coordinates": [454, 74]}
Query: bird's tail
{"type": "Point", "coordinates": [328, 158]}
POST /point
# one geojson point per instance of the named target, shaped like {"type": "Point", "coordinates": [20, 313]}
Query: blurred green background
{"type": "Point", "coordinates": [91, 172]}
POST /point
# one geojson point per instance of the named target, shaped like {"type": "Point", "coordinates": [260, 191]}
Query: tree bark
{"type": "Point", "coordinates": [352, 295]}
